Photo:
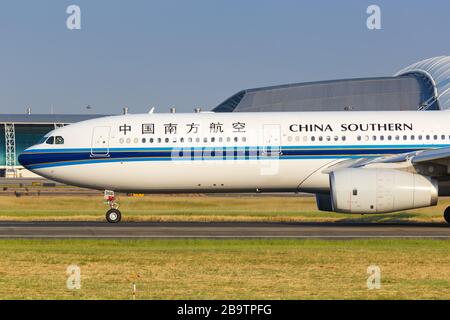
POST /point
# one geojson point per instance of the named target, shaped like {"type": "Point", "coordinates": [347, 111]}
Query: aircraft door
{"type": "Point", "coordinates": [271, 139]}
{"type": "Point", "coordinates": [100, 142]}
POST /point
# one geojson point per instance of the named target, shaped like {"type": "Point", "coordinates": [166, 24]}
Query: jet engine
{"type": "Point", "coordinates": [380, 190]}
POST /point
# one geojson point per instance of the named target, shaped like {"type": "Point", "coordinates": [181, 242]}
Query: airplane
{"type": "Point", "coordinates": [353, 161]}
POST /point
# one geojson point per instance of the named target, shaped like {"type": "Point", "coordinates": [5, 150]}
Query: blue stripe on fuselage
{"type": "Point", "coordinates": [43, 158]}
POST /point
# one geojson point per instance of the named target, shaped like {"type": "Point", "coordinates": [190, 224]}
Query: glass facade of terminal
{"type": "Point", "coordinates": [26, 135]}
{"type": "Point", "coordinates": [408, 92]}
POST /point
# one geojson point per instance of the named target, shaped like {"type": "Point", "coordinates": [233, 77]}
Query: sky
{"type": "Point", "coordinates": [197, 53]}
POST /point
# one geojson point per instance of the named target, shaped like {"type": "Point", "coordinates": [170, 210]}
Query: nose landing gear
{"type": "Point", "coordinates": [447, 214]}
{"type": "Point", "coordinates": [113, 215]}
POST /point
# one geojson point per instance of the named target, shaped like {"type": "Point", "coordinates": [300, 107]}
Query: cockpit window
{"type": "Point", "coordinates": [54, 140]}
{"type": "Point", "coordinates": [59, 140]}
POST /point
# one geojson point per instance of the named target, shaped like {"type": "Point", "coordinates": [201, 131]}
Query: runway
{"type": "Point", "coordinates": [220, 230]}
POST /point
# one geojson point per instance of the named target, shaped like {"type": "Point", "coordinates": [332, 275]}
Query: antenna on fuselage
{"type": "Point", "coordinates": [152, 109]}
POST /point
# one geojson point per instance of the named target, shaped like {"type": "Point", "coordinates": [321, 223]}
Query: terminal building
{"type": "Point", "coordinates": [424, 85]}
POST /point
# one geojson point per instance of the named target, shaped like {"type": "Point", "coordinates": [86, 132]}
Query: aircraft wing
{"type": "Point", "coordinates": [431, 162]}
{"type": "Point", "coordinates": [432, 155]}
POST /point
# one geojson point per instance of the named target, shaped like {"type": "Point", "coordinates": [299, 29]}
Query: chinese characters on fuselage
{"type": "Point", "coordinates": [125, 128]}
{"type": "Point", "coordinates": [148, 128]}
{"type": "Point", "coordinates": [191, 128]}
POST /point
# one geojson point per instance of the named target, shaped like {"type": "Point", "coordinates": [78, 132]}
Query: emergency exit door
{"type": "Point", "coordinates": [100, 142]}
{"type": "Point", "coordinates": [271, 139]}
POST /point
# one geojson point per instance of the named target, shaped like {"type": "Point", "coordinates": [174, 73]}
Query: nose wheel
{"type": "Point", "coordinates": [113, 215]}
{"type": "Point", "coordinates": [447, 214]}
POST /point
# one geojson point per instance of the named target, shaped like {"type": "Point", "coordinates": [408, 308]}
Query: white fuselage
{"type": "Point", "coordinates": [227, 152]}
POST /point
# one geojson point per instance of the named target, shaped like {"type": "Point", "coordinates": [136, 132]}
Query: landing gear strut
{"type": "Point", "coordinates": [113, 215]}
{"type": "Point", "coordinates": [447, 214]}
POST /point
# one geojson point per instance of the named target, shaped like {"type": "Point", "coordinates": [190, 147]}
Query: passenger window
{"type": "Point", "coordinates": [50, 140]}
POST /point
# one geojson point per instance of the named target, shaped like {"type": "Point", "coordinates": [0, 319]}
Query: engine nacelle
{"type": "Point", "coordinates": [380, 190]}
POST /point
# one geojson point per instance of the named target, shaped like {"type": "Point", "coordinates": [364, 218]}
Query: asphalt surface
{"type": "Point", "coordinates": [220, 230]}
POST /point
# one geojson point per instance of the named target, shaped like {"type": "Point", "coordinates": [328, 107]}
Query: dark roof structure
{"type": "Point", "coordinates": [414, 88]}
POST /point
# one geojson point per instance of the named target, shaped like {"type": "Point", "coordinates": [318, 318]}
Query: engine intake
{"type": "Point", "coordinates": [380, 190]}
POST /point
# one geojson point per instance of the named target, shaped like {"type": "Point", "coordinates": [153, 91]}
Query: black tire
{"type": "Point", "coordinates": [447, 214]}
{"type": "Point", "coordinates": [113, 216]}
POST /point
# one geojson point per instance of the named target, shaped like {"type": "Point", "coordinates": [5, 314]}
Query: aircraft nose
{"type": "Point", "coordinates": [21, 160]}
{"type": "Point", "coordinates": [25, 159]}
